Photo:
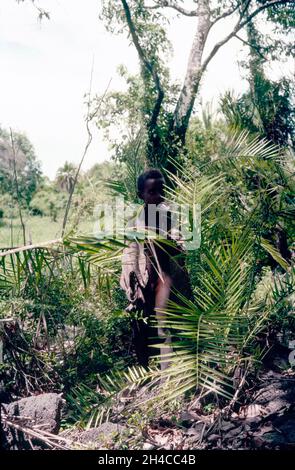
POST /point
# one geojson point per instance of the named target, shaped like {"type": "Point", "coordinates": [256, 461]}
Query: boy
{"type": "Point", "coordinates": [151, 269]}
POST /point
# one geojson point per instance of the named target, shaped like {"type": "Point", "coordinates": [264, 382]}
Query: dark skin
{"type": "Point", "coordinates": [153, 193]}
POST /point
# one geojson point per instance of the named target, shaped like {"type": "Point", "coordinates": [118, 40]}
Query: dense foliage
{"type": "Point", "coordinates": [64, 324]}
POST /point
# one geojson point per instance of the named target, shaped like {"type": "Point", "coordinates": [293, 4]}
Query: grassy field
{"type": "Point", "coordinates": [38, 229]}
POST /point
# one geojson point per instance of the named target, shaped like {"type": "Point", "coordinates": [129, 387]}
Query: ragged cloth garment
{"type": "Point", "coordinates": [143, 262]}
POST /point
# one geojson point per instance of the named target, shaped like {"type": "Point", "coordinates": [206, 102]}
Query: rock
{"type": "Point", "coordinates": [227, 426]}
{"type": "Point", "coordinates": [196, 431]}
{"type": "Point", "coordinates": [267, 422]}
{"type": "Point", "coordinates": [213, 438]}
{"type": "Point", "coordinates": [279, 432]}
{"type": "Point", "coordinates": [276, 397]}
{"type": "Point", "coordinates": [234, 432]}
{"type": "Point", "coordinates": [187, 417]}
{"type": "Point", "coordinates": [193, 432]}
{"type": "Point", "coordinates": [43, 410]}
{"type": "Point", "coordinates": [147, 446]}
{"type": "Point", "coordinates": [97, 437]}
{"type": "Point", "coordinates": [272, 439]}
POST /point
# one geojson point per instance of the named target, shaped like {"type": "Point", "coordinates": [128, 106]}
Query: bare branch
{"type": "Point", "coordinates": [41, 12]}
{"type": "Point", "coordinates": [53, 441]}
{"type": "Point", "coordinates": [245, 9]}
{"type": "Point", "coordinates": [226, 14]}
{"type": "Point", "coordinates": [257, 49]}
{"type": "Point", "coordinates": [146, 64]}
{"type": "Point", "coordinates": [172, 4]}
{"type": "Point", "coordinates": [240, 24]}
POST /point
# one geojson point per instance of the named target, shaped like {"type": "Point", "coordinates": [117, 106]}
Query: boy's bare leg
{"type": "Point", "coordinates": [162, 293]}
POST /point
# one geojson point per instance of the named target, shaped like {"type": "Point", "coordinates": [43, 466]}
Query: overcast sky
{"type": "Point", "coordinates": [45, 72]}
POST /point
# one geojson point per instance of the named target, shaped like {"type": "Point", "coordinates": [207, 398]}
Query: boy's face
{"type": "Point", "coordinates": [153, 192]}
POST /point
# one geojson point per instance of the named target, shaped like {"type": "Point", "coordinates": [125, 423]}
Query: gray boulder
{"type": "Point", "coordinates": [42, 410]}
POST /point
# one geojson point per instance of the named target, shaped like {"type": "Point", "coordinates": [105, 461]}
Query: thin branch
{"type": "Point", "coordinates": [238, 27]}
{"type": "Point", "coordinates": [245, 8]}
{"type": "Point", "coordinates": [146, 63]}
{"type": "Point", "coordinates": [17, 186]}
{"type": "Point", "coordinates": [171, 4]}
{"type": "Point", "coordinates": [257, 49]}
{"type": "Point", "coordinates": [225, 14]}
{"type": "Point", "coordinates": [239, 388]}
{"type": "Point", "coordinates": [135, 38]}
{"type": "Point", "coordinates": [51, 440]}
{"type": "Point", "coordinates": [40, 10]}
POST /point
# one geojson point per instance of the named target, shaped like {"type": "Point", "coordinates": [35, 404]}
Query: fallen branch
{"type": "Point", "coordinates": [52, 440]}
{"type": "Point", "coordinates": [42, 436]}
{"type": "Point", "coordinates": [30, 247]}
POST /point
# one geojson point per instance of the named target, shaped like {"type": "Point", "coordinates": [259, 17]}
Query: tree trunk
{"type": "Point", "coordinates": [184, 107]}
{"type": "Point", "coordinates": [255, 68]}
{"type": "Point", "coordinates": [193, 76]}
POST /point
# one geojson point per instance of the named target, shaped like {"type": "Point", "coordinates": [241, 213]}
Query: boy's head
{"type": "Point", "coordinates": [150, 186]}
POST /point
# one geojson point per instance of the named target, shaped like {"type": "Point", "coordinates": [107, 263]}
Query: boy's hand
{"type": "Point", "coordinates": [135, 306]}
{"type": "Point", "coordinates": [131, 308]}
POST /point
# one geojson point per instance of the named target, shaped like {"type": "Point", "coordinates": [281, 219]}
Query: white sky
{"type": "Point", "coordinates": [45, 71]}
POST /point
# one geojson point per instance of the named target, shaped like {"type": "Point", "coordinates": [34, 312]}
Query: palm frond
{"type": "Point", "coordinates": [95, 406]}
{"type": "Point", "coordinates": [209, 334]}
{"type": "Point", "coordinates": [274, 252]}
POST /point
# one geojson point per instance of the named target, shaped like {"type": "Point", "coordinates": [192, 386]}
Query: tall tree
{"type": "Point", "coordinates": [21, 160]}
{"type": "Point", "coordinates": [65, 177]}
{"type": "Point", "coordinates": [267, 109]}
{"type": "Point", "coordinates": [144, 22]}
{"type": "Point", "coordinates": [271, 100]}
